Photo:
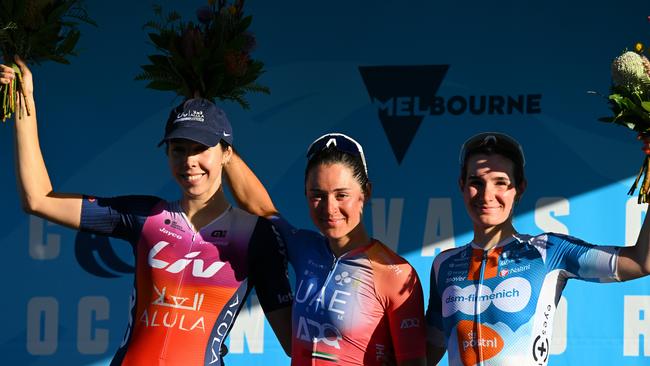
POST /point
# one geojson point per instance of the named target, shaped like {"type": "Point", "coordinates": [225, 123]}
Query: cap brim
{"type": "Point", "coordinates": [193, 134]}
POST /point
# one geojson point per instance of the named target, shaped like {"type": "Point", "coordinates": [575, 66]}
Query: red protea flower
{"type": "Point", "coordinates": [249, 43]}
{"type": "Point", "coordinates": [191, 40]}
{"type": "Point", "coordinates": [204, 14]}
{"type": "Point", "coordinates": [236, 63]}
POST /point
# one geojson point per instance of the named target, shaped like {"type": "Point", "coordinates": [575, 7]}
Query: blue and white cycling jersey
{"type": "Point", "coordinates": [496, 306]}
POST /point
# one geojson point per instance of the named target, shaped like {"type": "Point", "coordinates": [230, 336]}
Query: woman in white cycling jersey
{"type": "Point", "coordinates": [492, 301]}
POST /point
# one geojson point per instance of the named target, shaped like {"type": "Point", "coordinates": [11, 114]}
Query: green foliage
{"type": "Point", "coordinates": [631, 107]}
{"type": "Point", "coordinates": [210, 58]}
{"type": "Point", "coordinates": [629, 97]}
{"type": "Point", "coordinates": [37, 31]}
{"type": "Point", "coordinates": [40, 30]}
{"type": "Point", "coordinates": [629, 100]}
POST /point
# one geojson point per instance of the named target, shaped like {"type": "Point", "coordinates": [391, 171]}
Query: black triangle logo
{"type": "Point", "coordinates": [391, 86]}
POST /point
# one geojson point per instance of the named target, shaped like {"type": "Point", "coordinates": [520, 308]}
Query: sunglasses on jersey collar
{"type": "Point", "coordinates": [500, 142]}
{"type": "Point", "coordinates": [339, 142]}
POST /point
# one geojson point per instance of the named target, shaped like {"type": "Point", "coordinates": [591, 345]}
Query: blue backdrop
{"type": "Point", "coordinates": [410, 80]}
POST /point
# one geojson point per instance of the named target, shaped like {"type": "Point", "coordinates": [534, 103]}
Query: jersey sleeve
{"type": "Point", "coordinates": [435, 330]}
{"type": "Point", "coordinates": [268, 263]}
{"type": "Point", "coordinates": [294, 239]}
{"type": "Point", "coordinates": [120, 217]}
{"type": "Point", "coordinates": [399, 287]}
{"type": "Point", "coordinates": [595, 263]}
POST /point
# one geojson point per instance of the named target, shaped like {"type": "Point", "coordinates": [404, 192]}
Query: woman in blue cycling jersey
{"type": "Point", "coordinates": [492, 301]}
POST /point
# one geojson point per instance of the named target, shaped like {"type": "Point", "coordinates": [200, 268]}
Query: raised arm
{"type": "Point", "coordinates": [248, 191]}
{"type": "Point", "coordinates": [33, 181]}
{"type": "Point", "coordinates": [634, 262]}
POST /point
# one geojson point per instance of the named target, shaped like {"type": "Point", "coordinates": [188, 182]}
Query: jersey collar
{"type": "Point", "coordinates": [515, 237]}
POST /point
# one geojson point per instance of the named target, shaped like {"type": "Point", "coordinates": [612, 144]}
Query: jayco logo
{"type": "Point", "coordinates": [190, 116]}
{"type": "Point", "coordinates": [198, 265]}
{"type": "Point", "coordinates": [169, 233]}
{"type": "Point", "coordinates": [405, 95]}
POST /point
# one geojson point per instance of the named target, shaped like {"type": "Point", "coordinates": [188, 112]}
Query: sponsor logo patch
{"type": "Point", "coordinates": [489, 342]}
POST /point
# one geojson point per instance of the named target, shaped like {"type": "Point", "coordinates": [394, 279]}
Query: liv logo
{"type": "Point", "coordinates": [198, 266]}
{"type": "Point", "coordinates": [400, 92]}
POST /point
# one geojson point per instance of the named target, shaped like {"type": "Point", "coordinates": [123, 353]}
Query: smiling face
{"type": "Point", "coordinates": [335, 200]}
{"type": "Point", "coordinates": [489, 190]}
{"type": "Point", "coordinates": [196, 167]}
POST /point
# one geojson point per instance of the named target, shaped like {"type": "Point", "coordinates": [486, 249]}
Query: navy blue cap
{"type": "Point", "coordinates": [198, 120]}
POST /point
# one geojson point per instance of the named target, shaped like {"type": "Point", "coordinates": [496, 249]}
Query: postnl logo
{"type": "Point", "coordinates": [470, 341]}
{"type": "Point", "coordinates": [511, 295]}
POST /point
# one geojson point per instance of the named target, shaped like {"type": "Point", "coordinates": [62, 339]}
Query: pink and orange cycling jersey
{"type": "Point", "coordinates": [189, 285]}
{"type": "Point", "coordinates": [362, 308]}
{"type": "Point", "coordinates": [496, 307]}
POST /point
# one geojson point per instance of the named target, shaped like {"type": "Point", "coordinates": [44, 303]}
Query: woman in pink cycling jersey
{"type": "Point", "coordinates": [196, 259]}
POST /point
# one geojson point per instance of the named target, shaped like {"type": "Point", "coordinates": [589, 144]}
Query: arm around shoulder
{"type": "Point", "coordinates": [246, 188]}
{"type": "Point", "coordinates": [280, 321]}
{"type": "Point", "coordinates": [269, 274]}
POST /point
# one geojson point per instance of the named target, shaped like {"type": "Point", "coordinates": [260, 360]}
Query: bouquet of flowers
{"type": "Point", "coordinates": [37, 31]}
{"type": "Point", "coordinates": [209, 59]}
{"type": "Point", "coordinates": [629, 101]}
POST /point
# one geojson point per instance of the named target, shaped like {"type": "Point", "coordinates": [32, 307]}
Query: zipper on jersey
{"type": "Point", "coordinates": [321, 295]}
{"type": "Point", "coordinates": [477, 306]}
{"type": "Point", "coordinates": [335, 262]}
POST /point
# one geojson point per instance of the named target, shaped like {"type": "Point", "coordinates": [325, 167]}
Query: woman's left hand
{"type": "Point", "coordinates": [7, 74]}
